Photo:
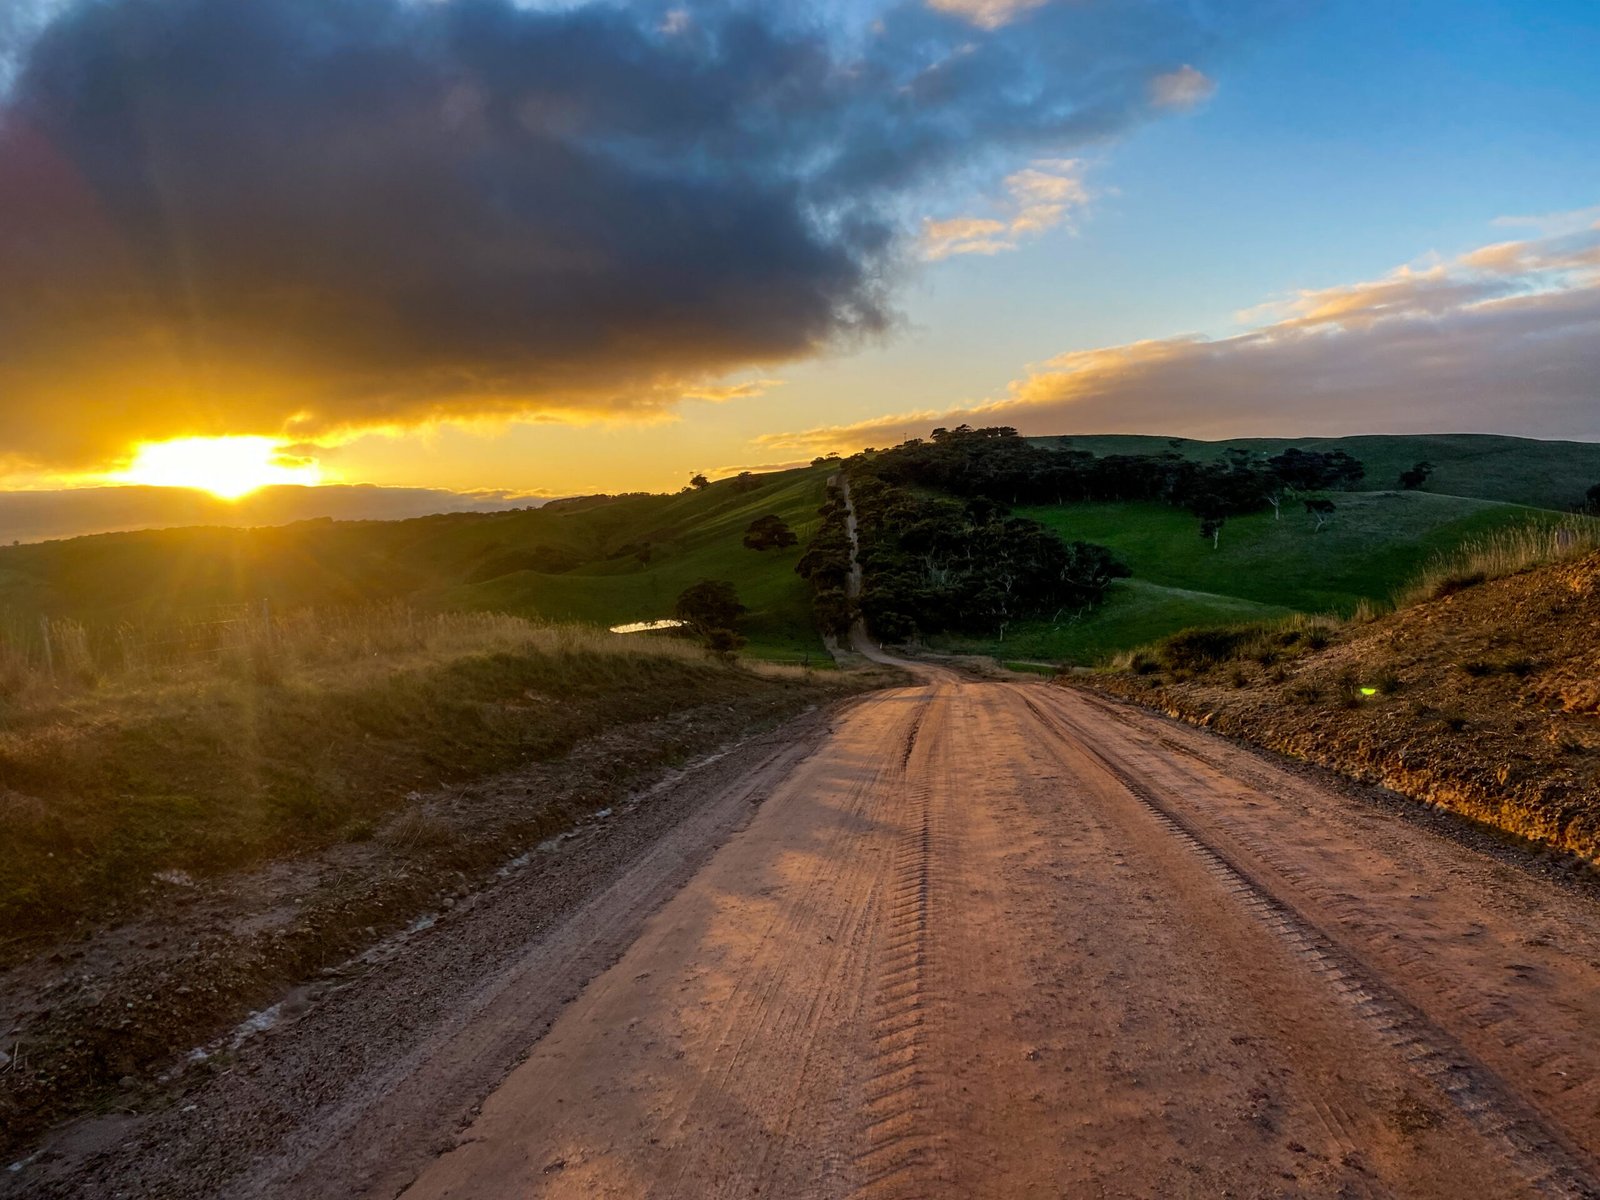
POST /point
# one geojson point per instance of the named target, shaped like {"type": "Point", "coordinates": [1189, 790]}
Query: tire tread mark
{"type": "Point", "coordinates": [1552, 1167]}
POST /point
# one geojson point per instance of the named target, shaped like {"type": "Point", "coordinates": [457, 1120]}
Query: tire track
{"type": "Point", "coordinates": [897, 1151]}
{"type": "Point", "coordinates": [1552, 1166]}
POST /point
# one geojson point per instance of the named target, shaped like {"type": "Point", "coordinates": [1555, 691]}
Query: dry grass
{"type": "Point", "coordinates": [1508, 551]}
{"type": "Point", "coordinates": [301, 730]}
{"type": "Point", "coordinates": [61, 663]}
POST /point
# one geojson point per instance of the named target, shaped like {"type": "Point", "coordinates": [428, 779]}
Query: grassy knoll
{"type": "Point", "coordinates": [703, 532]}
{"type": "Point", "coordinates": [1371, 546]}
{"type": "Point", "coordinates": [1134, 611]}
{"type": "Point", "coordinates": [1541, 474]}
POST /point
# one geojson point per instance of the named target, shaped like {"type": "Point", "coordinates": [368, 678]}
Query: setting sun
{"type": "Point", "coordinates": [229, 467]}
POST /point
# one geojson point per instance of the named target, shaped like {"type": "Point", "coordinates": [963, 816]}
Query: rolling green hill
{"type": "Point", "coordinates": [1541, 474]}
{"type": "Point", "coordinates": [705, 531]}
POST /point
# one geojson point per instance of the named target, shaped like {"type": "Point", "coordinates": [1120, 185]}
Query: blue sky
{"type": "Point", "coordinates": [1342, 143]}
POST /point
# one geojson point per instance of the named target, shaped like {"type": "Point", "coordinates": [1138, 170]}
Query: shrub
{"type": "Point", "coordinates": [1387, 682]}
{"type": "Point", "coordinates": [1197, 649]}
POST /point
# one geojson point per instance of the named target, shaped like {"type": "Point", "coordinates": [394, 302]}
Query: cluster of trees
{"type": "Point", "coordinates": [933, 563]}
{"type": "Point", "coordinates": [940, 549]}
{"type": "Point", "coordinates": [996, 463]}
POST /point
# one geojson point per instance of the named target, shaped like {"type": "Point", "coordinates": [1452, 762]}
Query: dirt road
{"type": "Point", "coordinates": [1006, 939]}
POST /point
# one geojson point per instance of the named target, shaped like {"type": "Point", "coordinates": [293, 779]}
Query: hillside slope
{"type": "Point", "coordinates": [605, 560]}
{"type": "Point", "coordinates": [1485, 702]}
{"type": "Point", "coordinates": [1260, 567]}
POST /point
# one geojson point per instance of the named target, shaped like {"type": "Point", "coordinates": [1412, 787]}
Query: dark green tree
{"type": "Point", "coordinates": [708, 606]}
{"type": "Point", "coordinates": [770, 532]}
{"type": "Point", "coordinates": [1416, 476]}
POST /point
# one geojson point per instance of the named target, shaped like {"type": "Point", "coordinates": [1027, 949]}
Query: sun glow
{"type": "Point", "coordinates": [228, 467]}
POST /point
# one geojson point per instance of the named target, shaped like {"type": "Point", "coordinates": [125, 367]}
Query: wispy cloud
{"type": "Point", "coordinates": [987, 14]}
{"type": "Point", "coordinates": [1504, 339]}
{"type": "Point", "coordinates": [1037, 199]}
{"type": "Point", "coordinates": [719, 393]}
{"type": "Point", "coordinates": [1182, 89]}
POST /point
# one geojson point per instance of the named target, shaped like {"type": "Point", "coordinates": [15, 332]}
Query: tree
{"type": "Point", "coordinates": [1321, 511]}
{"type": "Point", "coordinates": [746, 481]}
{"type": "Point", "coordinates": [769, 533]}
{"type": "Point", "coordinates": [709, 606]}
{"type": "Point", "coordinates": [1416, 476]}
{"type": "Point", "coordinates": [1592, 500]}
{"type": "Point", "coordinates": [1213, 511]}
{"type": "Point", "coordinates": [698, 481]}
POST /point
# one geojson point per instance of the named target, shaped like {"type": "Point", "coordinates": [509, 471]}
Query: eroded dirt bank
{"type": "Point", "coordinates": [1485, 702]}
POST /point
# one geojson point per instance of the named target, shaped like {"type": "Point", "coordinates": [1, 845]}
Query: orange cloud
{"type": "Point", "coordinates": [1038, 198]}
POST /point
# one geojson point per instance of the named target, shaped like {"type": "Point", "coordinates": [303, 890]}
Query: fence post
{"type": "Point", "coordinates": [49, 651]}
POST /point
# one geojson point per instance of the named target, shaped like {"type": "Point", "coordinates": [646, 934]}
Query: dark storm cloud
{"type": "Point", "coordinates": [306, 216]}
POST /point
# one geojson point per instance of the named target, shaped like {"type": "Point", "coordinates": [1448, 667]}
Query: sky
{"type": "Point", "coordinates": [533, 249]}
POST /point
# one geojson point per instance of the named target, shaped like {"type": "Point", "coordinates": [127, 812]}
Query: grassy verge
{"type": "Point", "coordinates": [302, 738]}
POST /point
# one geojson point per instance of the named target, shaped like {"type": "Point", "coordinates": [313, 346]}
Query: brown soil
{"type": "Point", "coordinates": [1002, 940]}
{"type": "Point", "coordinates": [103, 1021]}
{"type": "Point", "coordinates": [1485, 703]}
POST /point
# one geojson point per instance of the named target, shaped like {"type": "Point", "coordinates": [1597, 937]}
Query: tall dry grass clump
{"type": "Point", "coordinates": [1507, 551]}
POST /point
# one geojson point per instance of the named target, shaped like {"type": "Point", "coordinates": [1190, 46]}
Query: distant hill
{"type": "Point", "coordinates": [76, 512]}
{"type": "Point", "coordinates": [1484, 466]}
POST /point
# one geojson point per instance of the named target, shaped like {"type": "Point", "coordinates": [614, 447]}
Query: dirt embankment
{"type": "Point", "coordinates": [101, 1019]}
{"type": "Point", "coordinates": [1485, 702]}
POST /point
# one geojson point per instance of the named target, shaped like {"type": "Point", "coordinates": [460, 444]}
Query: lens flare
{"type": "Point", "coordinates": [227, 467]}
